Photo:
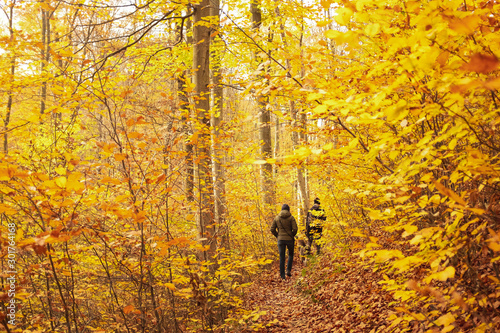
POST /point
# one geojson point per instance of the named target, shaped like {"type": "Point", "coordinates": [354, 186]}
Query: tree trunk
{"type": "Point", "coordinates": [185, 109]}
{"type": "Point", "coordinates": [6, 120]}
{"type": "Point", "coordinates": [45, 56]}
{"type": "Point", "coordinates": [188, 145]}
{"type": "Point", "coordinates": [217, 114]}
{"type": "Point", "coordinates": [276, 142]}
{"type": "Point", "coordinates": [266, 150]}
{"type": "Point", "coordinates": [299, 136]}
{"type": "Point", "coordinates": [302, 117]}
{"type": "Point", "coordinates": [201, 56]}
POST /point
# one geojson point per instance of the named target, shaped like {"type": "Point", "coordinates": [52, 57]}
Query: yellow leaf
{"type": "Point", "coordinates": [375, 215]}
{"type": "Point", "coordinates": [4, 174]}
{"type": "Point", "coordinates": [398, 111]}
{"type": "Point", "coordinates": [384, 255]}
{"type": "Point", "coordinates": [409, 230]}
{"type": "Point", "coordinates": [6, 209]}
{"type": "Point", "coordinates": [452, 144]}
{"type": "Point", "coordinates": [323, 24]}
{"type": "Point", "coordinates": [343, 16]}
{"type": "Point", "coordinates": [314, 96]}
{"type": "Point", "coordinates": [170, 286]}
{"type": "Point", "coordinates": [447, 273]}
{"type": "Point", "coordinates": [61, 171]}
{"type": "Point", "coordinates": [328, 146]}
{"type": "Point", "coordinates": [61, 182]}
{"type": "Point", "coordinates": [445, 320]}
{"type": "Point", "coordinates": [73, 182]}
{"type": "Point", "coordinates": [332, 34]}
{"type": "Point", "coordinates": [372, 29]}
{"type": "Point", "coordinates": [320, 109]}
{"type": "Point", "coordinates": [418, 316]}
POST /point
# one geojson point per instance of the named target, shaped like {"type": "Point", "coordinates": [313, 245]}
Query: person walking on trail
{"type": "Point", "coordinates": [314, 225]}
{"type": "Point", "coordinates": [284, 228]}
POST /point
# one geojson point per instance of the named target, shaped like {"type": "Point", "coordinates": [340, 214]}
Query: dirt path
{"type": "Point", "coordinates": [330, 296]}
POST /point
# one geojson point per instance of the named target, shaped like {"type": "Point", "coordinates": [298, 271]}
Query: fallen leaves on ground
{"type": "Point", "coordinates": [329, 295]}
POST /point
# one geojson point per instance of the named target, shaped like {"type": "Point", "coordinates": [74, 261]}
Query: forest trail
{"type": "Point", "coordinates": [329, 295]}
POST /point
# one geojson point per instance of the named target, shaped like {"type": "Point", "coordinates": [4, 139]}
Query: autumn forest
{"type": "Point", "coordinates": [147, 145]}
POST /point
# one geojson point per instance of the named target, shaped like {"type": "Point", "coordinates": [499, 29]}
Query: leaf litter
{"type": "Point", "coordinates": [329, 295]}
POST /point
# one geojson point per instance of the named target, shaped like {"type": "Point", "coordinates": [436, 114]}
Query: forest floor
{"type": "Point", "coordinates": [330, 294]}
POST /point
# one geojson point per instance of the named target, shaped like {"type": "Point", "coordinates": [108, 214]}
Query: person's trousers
{"type": "Point", "coordinates": [282, 246]}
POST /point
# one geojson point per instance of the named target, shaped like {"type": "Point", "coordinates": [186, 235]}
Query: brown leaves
{"type": "Point", "coordinates": [482, 63]}
{"type": "Point", "coordinates": [332, 296]}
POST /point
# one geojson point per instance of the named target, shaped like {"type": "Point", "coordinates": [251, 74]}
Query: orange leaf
{"type": "Point", "coordinates": [128, 309]}
{"type": "Point", "coordinates": [443, 58]}
{"type": "Point", "coordinates": [449, 193]}
{"type": "Point", "coordinates": [465, 26]}
{"type": "Point", "coordinates": [109, 180]}
{"type": "Point", "coordinates": [120, 157]}
{"type": "Point", "coordinates": [482, 63]}
{"type": "Point", "coordinates": [134, 135]}
{"type": "Point", "coordinates": [492, 84]}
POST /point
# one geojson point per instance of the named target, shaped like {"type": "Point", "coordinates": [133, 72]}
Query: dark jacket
{"type": "Point", "coordinates": [284, 226]}
{"type": "Point", "coordinates": [314, 221]}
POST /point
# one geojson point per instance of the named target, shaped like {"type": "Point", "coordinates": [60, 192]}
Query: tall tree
{"type": "Point", "coordinates": [10, 17]}
{"type": "Point", "coordinates": [217, 116]}
{"type": "Point", "coordinates": [201, 68]}
{"type": "Point", "coordinates": [45, 52]}
{"type": "Point", "coordinates": [266, 150]}
{"type": "Point", "coordinates": [185, 108]}
{"type": "Point", "coordinates": [299, 133]}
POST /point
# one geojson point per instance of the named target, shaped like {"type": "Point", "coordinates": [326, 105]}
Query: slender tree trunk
{"type": "Point", "coordinates": [185, 109]}
{"type": "Point", "coordinates": [298, 138]}
{"type": "Point", "coordinates": [188, 145]}
{"type": "Point", "coordinates": [217, 116]}
{"type": "Point", "coordinates": [201, 56]}
{"type": "Point", "coordinates": [302, 171]}
{"type": "Point", "coordinates": [6, 120]}
{"type": "Point", "coordinates": [299, 135]}
{"type": "Point", "coordinates": [266, 149]}
{"type": "Point", "coordinates": [276, 142]}
{"type": "Point", "coordinates": [45, 56]}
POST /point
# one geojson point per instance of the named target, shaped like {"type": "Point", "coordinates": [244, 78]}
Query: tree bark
{"type": "Point", "coordinates": [6, 120]}
{"type": "Point", "coordinates": [217, 116]}
{"type": "Point", "coordinates": [299, 135]}
{"type": "Point", "coordinates": [187, 145]}
{"type": "Point", "coordinates": [266, 150]}
{"type": "Point", "coordinates": [201, 62]}
{"type": "Point", "coordinates": [185, 109]}
{"type": "Point", "coordinates": [45, 56]}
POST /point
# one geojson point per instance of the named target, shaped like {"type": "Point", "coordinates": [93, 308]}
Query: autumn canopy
{"type": "Point", "coordinates": [147, 145]}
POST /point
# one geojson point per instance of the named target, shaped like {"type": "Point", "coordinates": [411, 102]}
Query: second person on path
{"type": "Point", "coordinates": [284, 228]}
